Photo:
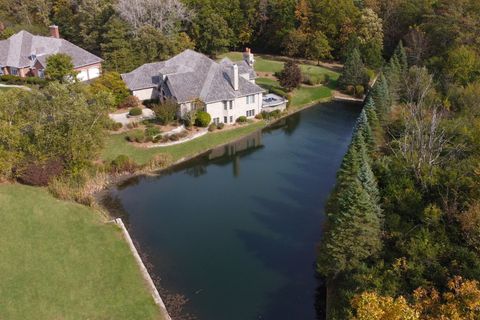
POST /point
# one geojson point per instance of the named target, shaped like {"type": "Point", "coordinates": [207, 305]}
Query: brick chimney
{"type": "Point", "coordinates": [248, 57]}
{"type": "Point", "coordinates": [54, 32]}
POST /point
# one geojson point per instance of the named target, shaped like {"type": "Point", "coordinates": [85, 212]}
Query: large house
{"type": "Point", "coordinates": [227, 88]}
{"type": "Point", "coordinates": [25, 55]}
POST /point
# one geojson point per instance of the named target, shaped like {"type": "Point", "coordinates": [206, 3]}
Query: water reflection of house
{"type": "Point", "coordinates": [232, 152]}
{"type": "Point", "coordinates": [250, 142]}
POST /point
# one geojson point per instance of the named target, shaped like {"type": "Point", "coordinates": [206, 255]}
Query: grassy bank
{"type": "Point", "coordinates": [59, 260]}
{"type": "Point", "coordinates": [117, 145]}
{"type": "Point", "coordinates": [302, 96]}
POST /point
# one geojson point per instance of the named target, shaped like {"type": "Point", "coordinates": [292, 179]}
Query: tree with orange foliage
{"type": "Point", "coordinates": [460, 302]}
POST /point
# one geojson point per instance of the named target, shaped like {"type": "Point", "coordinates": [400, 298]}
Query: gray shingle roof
{"type": "Point", "coordinates": [145, 76]}
{"type": "Point", "coordinates": [17, 50]}
{"type": "Point", "coordinates": [191, 75]}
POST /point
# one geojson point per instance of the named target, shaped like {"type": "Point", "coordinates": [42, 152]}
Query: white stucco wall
{"type": "Point", "coordinates": [239, 108]}
{"type": "Point", "coordinates": [146, 94]}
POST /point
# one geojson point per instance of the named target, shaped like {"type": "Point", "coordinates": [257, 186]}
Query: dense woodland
{"type": "Point", "coordinates": [402, 238]}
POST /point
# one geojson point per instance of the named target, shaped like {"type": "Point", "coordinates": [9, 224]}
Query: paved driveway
{"type": "Point", "coordinates": [124, 119]}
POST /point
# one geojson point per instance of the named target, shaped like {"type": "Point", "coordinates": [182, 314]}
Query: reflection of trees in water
{"type": "Point", "coordinates": [135, 180]}
{"type": "Point", "coordinates": [292, 123]}
{"type": "Point", "coordinates": [114, 206]}
{"type": "Point", "coordinates": [288, 124]}
{"type": "Point", "coordinates": [196, 170]}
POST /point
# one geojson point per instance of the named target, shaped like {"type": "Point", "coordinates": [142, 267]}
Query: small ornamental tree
{"type": "Point", "coordinates": [60, 68]}
{"type": "Point", "coordinates": [166, 111]}
{"type": "Point", "coordinates": [291, 76]}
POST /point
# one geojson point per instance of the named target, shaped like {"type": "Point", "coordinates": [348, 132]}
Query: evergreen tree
{"type": "Point", "coordinates": [354, 72]}
{"type": "Point", "coordinates": [353, 233]}
{"type": "Point", "coordinates": [372, 115]}
{"type": "Point", "coordinates": [117, 50]}
{"type": "Point", "coordinates": [393, 74]}
{"type": "Point", "coordinates": [363, 128]}
{"type": "Point", "coordinates": [401, 57]}
{"type": "Point", "coordinates": [381, 96]}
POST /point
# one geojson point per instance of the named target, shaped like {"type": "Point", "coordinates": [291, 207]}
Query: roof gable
{"type": "Point", "coordinates": [17, 50]}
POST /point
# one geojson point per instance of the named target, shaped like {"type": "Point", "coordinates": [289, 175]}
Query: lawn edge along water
{"type": "Point", "coordinates": [64, 260]}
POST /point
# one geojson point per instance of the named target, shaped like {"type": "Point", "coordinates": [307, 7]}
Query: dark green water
{"type": "Point", "coordinates": [236, 230]}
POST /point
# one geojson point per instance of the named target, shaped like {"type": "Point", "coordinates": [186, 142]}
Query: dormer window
{"type": "Point", "coordinates": [33, 57]}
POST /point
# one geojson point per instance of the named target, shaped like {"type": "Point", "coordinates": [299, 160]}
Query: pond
{"type": "Point", "coordinates": [235, 230]}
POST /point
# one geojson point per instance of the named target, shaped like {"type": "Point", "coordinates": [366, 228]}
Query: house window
{"type": "Point", "coordinates": [41, 73]}
{"type": "Point", "coordinates": [231, 118]}
{"type": "Point", "coordinates": [225, 120]}
{"type": "Point", "coordinates": [231, 105]}
{"type": "Point", "coordinates": [225, 105]}
{"type": "Point", "coordinates": [250, 113]}
{"type": "Point", "coordinates": [14, 71]}
{"type": "Point", "coordinates": [251, 99]}
{"type": "Point", "coordinates": [216, 120]}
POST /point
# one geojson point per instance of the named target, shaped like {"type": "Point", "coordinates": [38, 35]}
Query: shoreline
{"type": "Point", "coordinates": [119, 178]}
{"type": "Point", "coordinates": [122, 177]}
{"type": "Point", "coordinates": [99, 196]}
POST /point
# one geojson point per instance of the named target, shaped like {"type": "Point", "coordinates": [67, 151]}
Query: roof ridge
{"type": "Point", "coordinates": [208, 80]}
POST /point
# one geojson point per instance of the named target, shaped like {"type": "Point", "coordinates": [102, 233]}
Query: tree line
{"type": "Point", "coordinates": [402, 236]}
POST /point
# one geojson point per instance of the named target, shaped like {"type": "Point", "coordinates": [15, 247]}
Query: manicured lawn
{"type": "Point", "coordinates": [272, 66]}
{"type": "Point", "coordinates": [306, 95]}
{"type": "Point", "coordinates": [301, 96]}
{"type": "Point", "coordinates": [117, 145]}
{"type": "Point", "coordinates": [59, 260]}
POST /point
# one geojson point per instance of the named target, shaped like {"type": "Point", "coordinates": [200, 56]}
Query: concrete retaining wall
{"type": "Point", "coordinates": [153, 290]}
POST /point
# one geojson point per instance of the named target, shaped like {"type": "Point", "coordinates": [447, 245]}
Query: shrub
{"type": "Point", "coordinates": [278, 92]}
{"type": "Point", "coordinates": [157, 138]}
{"type": "Point", "coordinates": [174, 137]}
{"type": "Point", "coordinates": [241, 119]}
{"type": "Point", "coordinates": [132, 125]}
{"type": "Point", "coordinates": [166, 112]}
{"type": "Point", "coordinates": [313, 80]}
{"type": "Point", "coordinates": [151, 132]}
{"type": "Point", "coordinates": [359, 91]}
{"type": "Point", "coordinates": [40, 174]}
{"type": "Point", "coordinates": [130, 102]}
{"type": "Point", "coordinates": [112, 83]}
{"type": "Point", "coordinates": [212, 127]}
{"type": "Point", "coordinates": [259, 116]}
{"type": "Point", "coordinates": [136, 136]}
{"type": "Point", "coordinates": [182, 134]}
{"type": "Point", "coordinates": [203, 119]}
{"type": "Point", "coordinates": [123, 163]}
{"type": "Point", "coordinates": [112, 125]}
{"type": "Point", "coordinates": [135, 112]}
{"type": "Point", "coordinates": [220, 126]}
{"type": "Point", "coordinates": [16, 80]}
{"type": "Point", "coordinates": [160, 160]}
{"type": "Point", "coordinates": [350, 90]}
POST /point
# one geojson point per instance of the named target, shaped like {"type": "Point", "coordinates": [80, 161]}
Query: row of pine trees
{"type": "Point", "coordinates": [354, 224]}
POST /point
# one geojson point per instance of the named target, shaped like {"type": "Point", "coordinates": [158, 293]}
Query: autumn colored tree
{"type": "Point", "coordinates": [291, 76]}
